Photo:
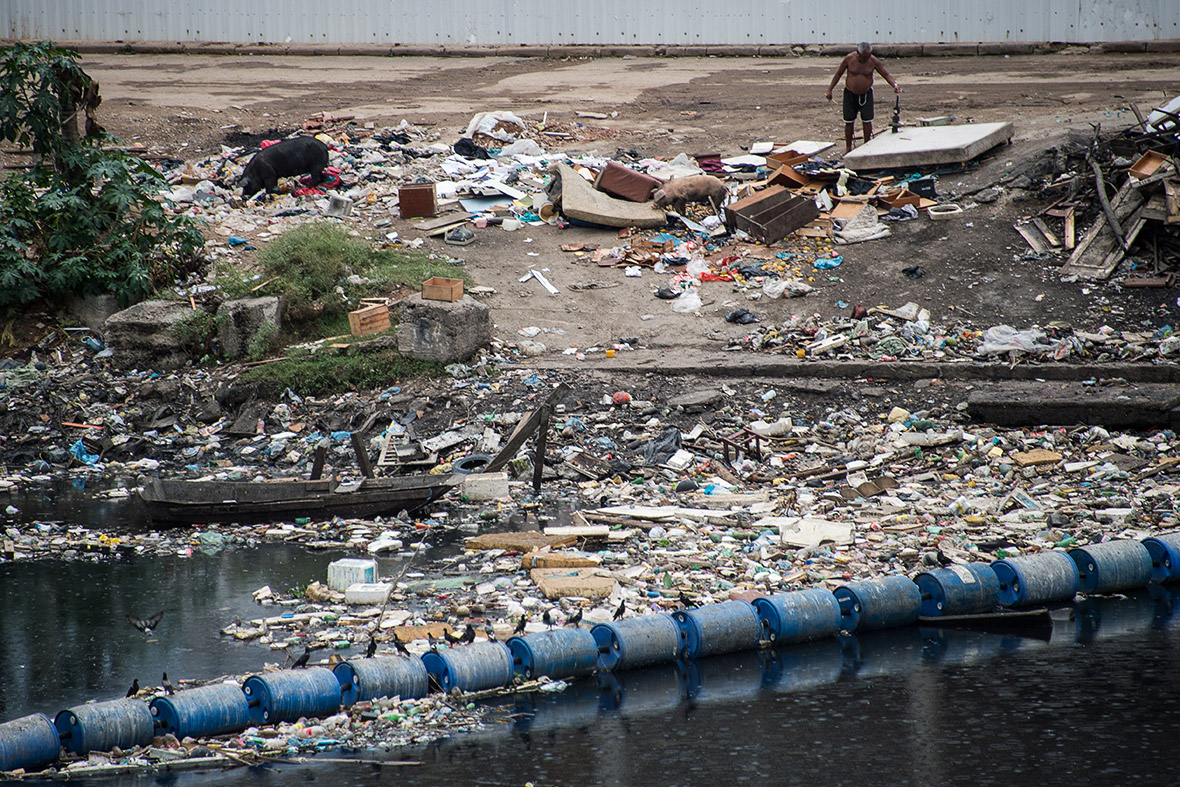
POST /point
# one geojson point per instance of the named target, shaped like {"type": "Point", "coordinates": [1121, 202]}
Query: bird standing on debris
{"type": "Point", "coordinates": [621, 610]}
{"type": "Point", "coordinates": [131, 692]}
{"type": "Point", "coordinates": [520, 625]}
{"type": "Point", "coordinates": [547, 619]}
{"type": "Point", "coordinates": [686, 602]}
{"type": "Point", "coordinates": [372, 649]}
{"type": "Point", "coordinates": [489, 630]}
{"type": "Point", "coordinates": [433, 643]}
{"type": "Point", "coordinates": [451, 638]}
{"type": "Point", "coordinates": [575, 619]}
{"type": "Point", "coordinates": [468, 635]}
{"type": "Point", "coordinates": [302, 660]}
{"type": "Point", "coordinates": [167, 684]}
{"type": "Point", "coordinates": [146, 624]}
{"type": "Point", "coordinates": [399, 646]}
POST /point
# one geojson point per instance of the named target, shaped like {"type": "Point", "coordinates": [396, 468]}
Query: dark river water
{"type": "Point", "coordinates": [1095, 704]}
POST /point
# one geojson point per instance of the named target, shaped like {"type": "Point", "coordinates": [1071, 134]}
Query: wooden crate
{"type": "Point", "coordinates": [418, 200]}
{"type": "Point", "coordinates": [772, 214]}
{"type": "Point", "coordinates": [436, 288]}
{"type": "Point", "coordinates": [370, 319]}
{"type": "Point", "coordinates": [1147, 164]}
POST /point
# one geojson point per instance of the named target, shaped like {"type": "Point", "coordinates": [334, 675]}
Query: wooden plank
{"type": "Point", "coordinates": [1033, 239]}
{"type": "Point", "coordinates": [525, 429]}
{"type": "Point", "coordinates": [1068, 229]}
{"type": "Point", "coordinates": [1092, 259]}
{"type": "Point", "coordinates": [1040, 224]}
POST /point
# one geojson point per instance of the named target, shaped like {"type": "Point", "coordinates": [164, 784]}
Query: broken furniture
{"type": "Point", "coordinates": [771, 214]}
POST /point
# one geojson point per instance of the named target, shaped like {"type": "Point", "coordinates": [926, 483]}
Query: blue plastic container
{"type": "Point", "coordinates": [560, 653]}
{"type": "Point", "coordinates": [958, 590]}
{"type": "Point", "coordinates": [30, 742]}
{"type": "Point", "coordinates": [289, 695]}
{"type": "Point", "coordinates": [885, 602]}
{"type": "Point", "coordinates": [104, 725]}
{"type": "Point", "coordinates": [637, 642]}
{"type": "Point", "coordinates": [209, 710]}
{"type": "Point", "coordinates": [718, 628]}
{"type": "Point", "coordinates": [1036, 579]}
{"type": "Point", "coordinates": [381, 676]}
{"type": "Point", "coordinates": [799, 616]}
{"type": "Point", "coordinates": [1165, 557]}
{"type": "Point", "coordinates": [474, 667]}
{"type": "Point", "coordinates": [1112, 566]}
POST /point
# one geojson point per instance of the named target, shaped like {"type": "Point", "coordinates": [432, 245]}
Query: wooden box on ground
{"type": "Point", "coordinates": [370, 319]}
{"type": "Point", "coordinates": [1147, 164]}
{"type": "Point", "coordinates": [418, 200]}
{"type": "Point", "coordinates": [436, 288]}
{"type": "Point", "coordinates": [772, 214]}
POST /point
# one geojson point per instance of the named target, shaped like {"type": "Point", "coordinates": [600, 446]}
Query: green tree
{"type": "Point", "coordinates": [84, 219]}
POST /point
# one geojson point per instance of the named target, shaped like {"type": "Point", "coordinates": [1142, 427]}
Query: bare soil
{"type": "Point", "coordinates": [186, 106]}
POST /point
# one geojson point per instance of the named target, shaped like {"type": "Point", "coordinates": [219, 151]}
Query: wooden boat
{"type": "Point", "coordinates": [1035, 622]}
{"type": "Point", "coordinates": [184, 502]}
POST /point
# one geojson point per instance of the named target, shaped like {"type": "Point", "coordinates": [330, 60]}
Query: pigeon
{"type": "Point", "coordinates": [520, 625]}
{"type": "Point", "coordinates": [302, 660]}
{"type": "Point", "coordinates": [686, 602]}
{"type": "Point", "coordinates": [433, 643]}
{"type": "Point", "coordinates": [575, 619]}
{"type": "Point", "coordinates": [621, 609]}
{"type": "Point", "coordinates": [372, 649]}
{"type": "Point", "coordinates": [146, 624]}
{"type": "Point", "coordinates": [450, 638]}
{"type": "Point", "coordinates": [547, 619]}
{"type": "Point", "coordinates": [131, 692]}
{"type": "Point", "coordinates": [399, 646]}
{"type": "Point", "coordinates": [490, 630]}
{"type": "Point", "coordinates": [468, 635]}
{"type": "Point", "coordinates": [167, 684]}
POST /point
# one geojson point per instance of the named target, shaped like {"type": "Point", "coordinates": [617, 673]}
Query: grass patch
{"type": "Point", "coordinates": [322, 373]}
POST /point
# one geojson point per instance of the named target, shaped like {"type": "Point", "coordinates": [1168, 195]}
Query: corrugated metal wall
{"type": "Point", "coordinates": [546, 22]}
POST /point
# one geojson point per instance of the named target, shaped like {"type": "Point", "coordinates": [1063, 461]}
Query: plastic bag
{"type": "Point", "coordinates": [1005, 338]}
{"type": "Point", "coordinates": [687, 303]}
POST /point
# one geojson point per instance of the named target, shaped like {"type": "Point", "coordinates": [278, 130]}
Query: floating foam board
{"type": "Point", "coordinates": [916, 147]}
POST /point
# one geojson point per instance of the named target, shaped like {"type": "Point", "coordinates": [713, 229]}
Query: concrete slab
{"type": "Point", "coordinates": [926, 145]}
{"type": "Point", "coordinates": [1136, 406]}
{"type": "Point", "coordinates": [556, 583]}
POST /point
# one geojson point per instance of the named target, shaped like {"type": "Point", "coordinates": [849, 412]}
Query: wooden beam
{"type": "Point", "coordinates": [362, 455]}
{"type": "Point", "coordinates": [1039, 223]}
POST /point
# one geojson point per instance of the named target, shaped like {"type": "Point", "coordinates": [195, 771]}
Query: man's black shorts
{"type": "Point", "coordinates": [858, 105]}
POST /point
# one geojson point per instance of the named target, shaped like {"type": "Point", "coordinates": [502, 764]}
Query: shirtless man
{"type": "Point", "coordinates": [858, 89]}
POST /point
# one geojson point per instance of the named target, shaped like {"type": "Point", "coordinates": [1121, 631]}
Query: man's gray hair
{"type": "Point", "coordinates": [864, 47]}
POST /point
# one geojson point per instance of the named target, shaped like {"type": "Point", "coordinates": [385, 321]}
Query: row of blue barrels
{"type": "Point", "coordinates": [731, 626]}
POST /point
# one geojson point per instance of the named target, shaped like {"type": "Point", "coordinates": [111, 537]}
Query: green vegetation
{"type": "Point", "coordinates": [82, 220]}
{"type": "Point", "coordinates": [307, 264]}
{"type": "Point", "coordinates": [324, 372]}
{"type": "Point", "coordinates": [196, 333]}
{"type": "Point", "coordinates": [262, 342]}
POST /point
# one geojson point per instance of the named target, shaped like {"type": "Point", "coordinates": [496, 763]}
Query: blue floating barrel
{"type": "Point", "coordinates": [560, 653]}
{"type": "Point", "coordinates": [29, 742]}
{"type": "Point", "coordinates": [102, 726]}
{"type": "Point", "coordinates": [209, 710]}
{"type": "Point", "coordinates": [289, 695]}
{"type": "Point", "coordinates": [798, 616]}
{"type": "Point", "coordinates": [381, 676]}
{"type": "Point", "coordinates": [1165, 557]}
{"type": "Point", "coordinates": [474, 667]}
{"type": "Point", "coordinates": [958, 590]}
{"type": "Point", "coordinates": [718, 628]}
{"type": "Point", "coordinates": [1036, 579]}
{"type": "Point", "coordinates": [885, 602]}
{"type": "Point", "coordinates": [637, 642]}
{"type": "Point", "coordinates": [1112, 566]}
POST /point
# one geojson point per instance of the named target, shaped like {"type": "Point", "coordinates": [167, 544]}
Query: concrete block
{"type": "Point", "coordinates": [93, 310]}
{"type": "Point", "coordinates": [776, 51]}
{"type": "Point", "coordinates": [351, 571]}
{"type": "Point", "coordinates": [478, 487]}
{"type": "Point", "coordinates": [1164, 47]}
{"type": "Point", "coordinates": [442, 330]}
{"type": "Point", "coordinates": [555, 583]}
{"type": "Point", "coordinates": [144, 336]}
{"type": "Point", "coordinates": [686, 51]}
{"type": "Point", "coordinates": [733, 51]}
{"type": "Point", "coordinates": [1124, 47]}
{"type": "Point", "coordinates": [1006, 48]}
{"type": "Point", "coordinates": [523, 541]}
{"type": "Point", "coordinates": [897, 50]}
{"type": "Point", "coordinates": [950, 50]}
{"type": "Point", "coordinates": [240, 321]}
{"type": "Point", "coordinates": [367, 592]}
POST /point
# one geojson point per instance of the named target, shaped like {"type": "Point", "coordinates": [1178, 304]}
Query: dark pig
{"type": "Point", "coordinates": [703, 189]}
{"type": "Point", "coordinates": [285, 159]}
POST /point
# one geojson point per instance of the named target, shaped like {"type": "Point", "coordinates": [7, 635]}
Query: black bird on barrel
{"type": "Point", "coordinates": [146, 624]}
{"type": "Point", "coordinates": [622, 609]}
{"type": "Point", "coordinates": [433, 643]}
{"type": "Point", "coordinates": [372, 649]}
{"type": "Point", "coordinates": [686, 602]}
{"type": "Point", "coordinates": [167, 684]}
{"type": "Point", "coordinates": [131, 692]}
{"type": "Point", "coordinates": [302, 660]}
{"type": "Point", "coordinates": [450, 638]}
{"type": "Point", "coordinates": [489, 630]}
{"type": "Point", "coordinates": [547, 619]}
{"type": "Point", "coordinates": [520, 625]}
{"type": "Point", "coordinates": [468, 635]}
{"type": "Point", "coordinates": [575, 619]}
{"type": "Point", "coordinates": [399, 646]}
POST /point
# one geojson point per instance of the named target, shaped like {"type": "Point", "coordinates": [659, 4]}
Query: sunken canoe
{"type": "Point", "coordinates": [188, 502]}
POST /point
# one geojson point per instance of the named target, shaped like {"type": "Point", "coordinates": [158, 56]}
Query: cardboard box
{"type": "Point", "coordinates": [1147, 164]}
{"type": "Point", "coordinates": [787, 176]}
{"type": "Point", "coordinates": [418, 200]}
{"type": "Point", "coordinates": [368, 320]}
{"type": "Point", "coordinates": [436, 288]}
{"type": "Point", "coordinates": [897, 199]}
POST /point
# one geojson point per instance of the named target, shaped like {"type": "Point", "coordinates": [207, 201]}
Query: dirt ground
{"type": "Point", "coordinates": [188, 105]}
